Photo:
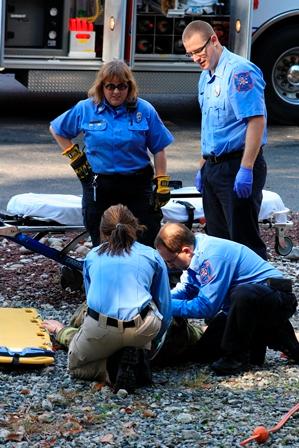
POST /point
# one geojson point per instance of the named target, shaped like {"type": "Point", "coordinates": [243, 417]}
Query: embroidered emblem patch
{"type": "Point", "coordinates": [243, 82]}
{"type": "Point", "coordinates": [205, 273]}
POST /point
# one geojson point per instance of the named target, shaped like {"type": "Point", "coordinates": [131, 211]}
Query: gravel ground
{"type": "Point", "coordinates": [187, 406]}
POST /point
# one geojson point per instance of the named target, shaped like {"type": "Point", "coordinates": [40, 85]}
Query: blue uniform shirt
{"type": "Point", "coordinates": [121, 286]}
{"type": "Point", "coordinates": [216, 266]}
{"type": "Point", "coordinates": [227, 99]}
{"type": "Point", "coordinates": [116, 140]}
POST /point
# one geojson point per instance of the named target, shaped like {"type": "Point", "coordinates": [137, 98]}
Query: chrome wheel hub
{"type": "Point", "coordinates": [285, 76]}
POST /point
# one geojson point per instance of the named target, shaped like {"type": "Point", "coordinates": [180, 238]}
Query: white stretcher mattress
{"type": "Point", "coordinates": [272, 206]}
{"type": "Point", "coordinates": [66, 209]}
{"type": "Point", "coordinates": [62, 208]}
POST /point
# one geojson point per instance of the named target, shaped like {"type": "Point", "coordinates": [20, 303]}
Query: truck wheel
{"type": "Point", "coordinates": [277, 55]}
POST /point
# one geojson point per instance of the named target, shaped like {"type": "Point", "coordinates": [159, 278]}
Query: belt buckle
{"type": "Point", "coordinates": [214, 159]}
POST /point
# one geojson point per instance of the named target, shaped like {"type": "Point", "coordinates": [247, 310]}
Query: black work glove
{"type": "Point", "coordinates": [78, 162]}
{"type": "Point", "coordinates": [161, 191]}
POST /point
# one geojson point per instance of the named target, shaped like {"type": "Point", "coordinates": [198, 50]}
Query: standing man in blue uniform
{"type": "Point", "coordinates": [232, 170]}
{"type": "Point", "coordinates": [224, 278]}
{"type": "Point", "coordinates": [119, 129]}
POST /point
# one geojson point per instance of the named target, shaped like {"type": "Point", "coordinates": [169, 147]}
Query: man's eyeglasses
{"type": "Point", "coordinates": [199, 50]}
{"type": "Point", "coordinates": [172, 260]}
{"type": "Point", "coordinates": [121, 86]}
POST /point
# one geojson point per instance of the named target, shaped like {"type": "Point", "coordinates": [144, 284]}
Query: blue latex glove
{"type": "Point", "coordinates": [198, 181]}
{"type": "Point", "coordinates": [243, 182]}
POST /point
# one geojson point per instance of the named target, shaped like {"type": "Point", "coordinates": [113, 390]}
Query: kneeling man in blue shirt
{"type": "Point", "coordinates": [222, 277]}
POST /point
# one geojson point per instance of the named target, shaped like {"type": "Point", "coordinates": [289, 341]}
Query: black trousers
{"type": "Point", "coordinates": [134, 191]}
{"type": "Point", "coordinates": [226, 215]}
{"type": "Point", "coordinates": [257, 318]}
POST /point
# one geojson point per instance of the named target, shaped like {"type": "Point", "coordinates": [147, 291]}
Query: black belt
{"type": "Point", "coordinates": [147, 170]}
{"type": "Point", "coordinates": [224, 157]}
{"type": "Point", "coordinates": [114, 322]}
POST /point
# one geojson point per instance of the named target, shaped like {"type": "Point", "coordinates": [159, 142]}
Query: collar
{"type": "Point", "coordinates": [219, 70]}
{"type": "Point", "coordinates": [100, 107]}
{"type": "Point", "coordinates": [195, 262]}
{"type": "Point", "coordinates": [115, 110]}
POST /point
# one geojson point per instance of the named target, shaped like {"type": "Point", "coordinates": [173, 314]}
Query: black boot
{"type": "Point", "coordinates": [258, 355]}
{"type": "Point", "coordinates": [143, 372]}
{"type": "Point", "coordinates": [231, 364]}
{"type": "Point", "coordinates": [285, 341]}
{"type": "Point", "coordinates": [126, 377]}
{"type": "Point", "coordinates": [113, 364]}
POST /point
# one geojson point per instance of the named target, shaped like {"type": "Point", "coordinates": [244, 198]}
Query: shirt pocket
{"type": "Point", "coordinates": [95, 134]}
{"type": "Point", "coordinates": [218, 112]}
{"type": "Point", "coordinates": [141, 127]}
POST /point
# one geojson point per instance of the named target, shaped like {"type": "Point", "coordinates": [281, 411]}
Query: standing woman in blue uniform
{"type": "Point", "coordinates": [119, 129]}
{"type": "Point", "coordinates": [232, 169]}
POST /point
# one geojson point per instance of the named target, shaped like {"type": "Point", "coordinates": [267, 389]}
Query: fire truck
{"type": "Point", "coordinates": [57, 46]}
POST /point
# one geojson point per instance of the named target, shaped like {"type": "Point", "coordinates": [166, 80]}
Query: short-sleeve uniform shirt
{"type": "Point", "coordinates": [117, 140]}
{"type": "Point", "coordinates": [228, 97]}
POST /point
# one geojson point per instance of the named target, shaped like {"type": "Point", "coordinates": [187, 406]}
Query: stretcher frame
{"type": "Point", "coordinates": [18, 229]}
{"type": "Point", "coordinates": [18, 234]}
{"type": "Point", "coordinates": [283, 244]}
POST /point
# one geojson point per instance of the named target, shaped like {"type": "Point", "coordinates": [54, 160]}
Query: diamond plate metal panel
{"type": "Point", "coordinates": [60, 81]}
{"type": "Point", "coordinates": [167, 82]}
{"type": "Point", "coordinates": [79, 81]}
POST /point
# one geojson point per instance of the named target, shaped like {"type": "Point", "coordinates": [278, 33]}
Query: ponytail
{"type": "Point", "coordinates": [119, 230]}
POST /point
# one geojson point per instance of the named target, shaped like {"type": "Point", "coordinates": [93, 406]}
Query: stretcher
{"type": "Point", "coordinates": [186, 206]}
{"type": "Point", "coordinates": [22, 339]}
{"type": "Point", "coordinates": [30, 216]}
{"type": "Point", "coordinates": [59, 213]}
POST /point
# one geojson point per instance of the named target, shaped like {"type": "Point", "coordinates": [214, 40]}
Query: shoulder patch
{"type": "Point", "coordinates": [205, 272]}
{"type": "Point", "coordinates": [243, 81]}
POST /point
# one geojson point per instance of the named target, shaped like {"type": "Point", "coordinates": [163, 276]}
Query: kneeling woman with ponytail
{"type": "Point", "coordinates": [128, 299]}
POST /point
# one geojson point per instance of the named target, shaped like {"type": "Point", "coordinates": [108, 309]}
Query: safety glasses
{"type": "Point", "coordinates": [199, 50]}
{"type": "Point", "coordinates": [111, 87]}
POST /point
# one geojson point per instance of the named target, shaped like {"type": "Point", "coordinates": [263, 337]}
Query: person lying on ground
{"type": "Point", "coordinates": [174, 348]}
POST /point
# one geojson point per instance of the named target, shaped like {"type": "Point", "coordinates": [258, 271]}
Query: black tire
{"type": "Point", "coordinates": [286, 249]}
{"type": "Point", "coordinates": [274, 54]}
{"type": "Point", "coordinates": [71, 278]}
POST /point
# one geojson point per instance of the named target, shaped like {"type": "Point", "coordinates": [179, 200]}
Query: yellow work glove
{"type": "Point", "coordinates": [161, 191]}
{"type": "Point", "coordinates": [78, 161]}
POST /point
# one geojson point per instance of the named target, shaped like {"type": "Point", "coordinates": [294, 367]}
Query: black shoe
{"type": "Point", "coordinates": [125, 377]}
{"type": "Point", "coordinates": [228, 365]}
{"type": "Point", "coordinates": [286, 342]}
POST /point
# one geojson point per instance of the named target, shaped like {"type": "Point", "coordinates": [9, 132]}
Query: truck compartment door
{"type": "Point", "coordinates": [114, 30]}
{"type": "Point", "coordinates": [240, 27]}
